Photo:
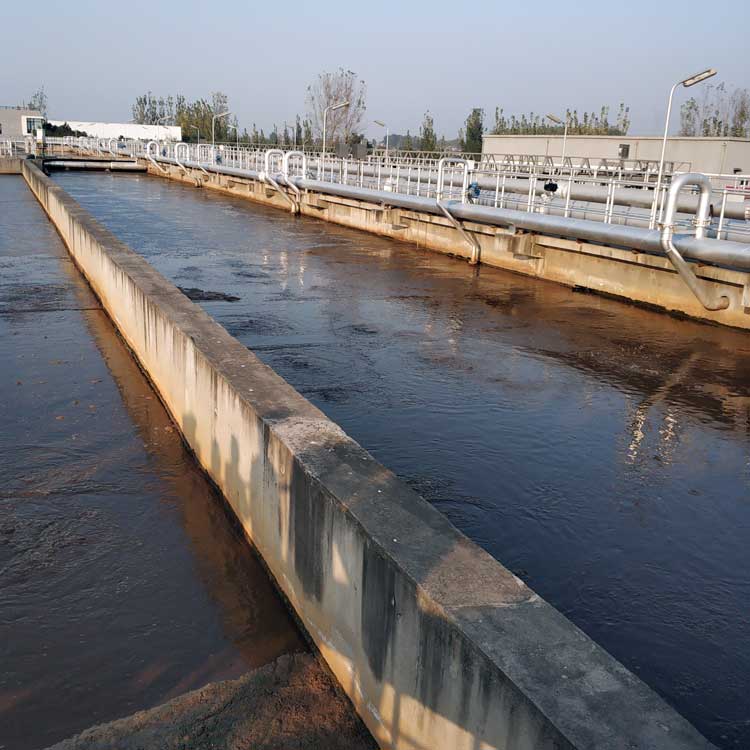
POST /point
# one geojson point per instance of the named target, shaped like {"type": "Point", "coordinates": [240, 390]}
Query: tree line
{"type": "Point", "coordinates": [718, 112]}
{"type": "Point", "coordinates": [196, 118]}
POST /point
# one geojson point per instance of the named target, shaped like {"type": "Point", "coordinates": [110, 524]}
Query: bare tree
{"type": "Point", "coordinates": [333, 88]}
{"type": "Point", "coordinates": [39, 102]}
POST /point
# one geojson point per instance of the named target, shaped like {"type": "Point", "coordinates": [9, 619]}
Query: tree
{"type": "Point", "coordinates": [718, 113]}
{"type": "Point", "coordinates": [330, 89]}
{"type": "Point", "coordinates": [427, 137]}
{"type": "Point", "coordinates": [591, 123]}
{"type": "Point", "coordinates": [150, 110]}
{"type": "Point", "coordinates": [307, 137]}
{"type": "Point", "coordinates": [38, 102]}
{"type": "Point", "coordinates": [61, 130]}
{"type": "Point", "coordinates": [407, 144]}
{"type": "Point", "coordinates": [472, 140]}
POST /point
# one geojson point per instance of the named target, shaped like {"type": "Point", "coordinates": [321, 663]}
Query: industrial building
{"type": "Point", "coordinates": [124, 129]}
{"type": "Point", "coordinates": [17, 122]}
{"type": "Point", "coordinates": [707, 155]}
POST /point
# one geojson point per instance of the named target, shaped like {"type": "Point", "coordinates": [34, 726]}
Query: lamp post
{"type": "Point", "coordinates": [160, 121]}
{"type": "Point", "coordinates": [197, 130]}
{"type": "Point", "coordinates": [383, 125]}
{"type": "Point", "coordinates": [329, 108]}
{"type": "Point", "coordinates": [558, 121]}
{"type": "Point", "coordinates": [213, 127]}
{"type": "Point", "coordinates": [687, 83]}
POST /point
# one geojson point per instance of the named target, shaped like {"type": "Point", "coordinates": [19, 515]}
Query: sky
{"type": "Point", "coordinates": [94, 58]}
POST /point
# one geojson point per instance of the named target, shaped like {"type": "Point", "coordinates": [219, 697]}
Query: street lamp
{"type": "Point", "coordinates": [213, 127]}
{"type": "Point", "coordinates": [330, 108]}
{"type": "Point", "coordinates": [383, 125]}
{"type": "Point", "coordinates": [558, 121]}
{"type": "Point", "coordinates": [687, 83]}
{"type": "Point", "coordinates": [237, 132]}
{"type": "Point", "coordinates": [159, 122]}
{"type": "Point", "coordinates": [197, 130]}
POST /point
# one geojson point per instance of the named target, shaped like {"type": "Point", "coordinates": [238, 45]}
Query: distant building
{"type": "Point", "coordinates": [124, 129]}
{"type": "Point", "coordinates": [708, 155]}
{"type": "Point", "coordinates": [16, 122]}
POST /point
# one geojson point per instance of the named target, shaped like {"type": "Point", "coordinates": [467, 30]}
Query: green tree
{"type": "Point", "coordinates": [427, 137]}
{"type": "Point", "coordinates": [472, 140]}
{"type": "Point", "coordinates": [407, 144]}
{"type": "Point", "coordinates": [307, 133]}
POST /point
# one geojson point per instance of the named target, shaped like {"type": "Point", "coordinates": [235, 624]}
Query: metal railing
{"type": "Point", "coordinates": [621, 193]}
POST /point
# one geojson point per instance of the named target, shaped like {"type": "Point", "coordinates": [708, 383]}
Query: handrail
{"type": "Point", "coordinates": [151, 158]}
{"type": "Point", "coordinates": [177, 155]}
{"type": "Point", "coordinates": [476, 249]}
{"type": "Point", "coordinates": [709, 300]}
{"type": "Point", "coordinates": [285, 162]}
{"type": "Point", "coordinates": [267, 160]}
{"type": "Point", "coordinates": [441, 176]}
{"type": "Point", "coordinates": [265, 176]}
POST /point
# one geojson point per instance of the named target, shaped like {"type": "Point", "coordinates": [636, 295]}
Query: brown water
{"type": "Point", "coordinates": [599, 450]}
{"type": "Point", "coordinates": [123, 582]}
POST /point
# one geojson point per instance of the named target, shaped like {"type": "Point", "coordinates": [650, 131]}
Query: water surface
{"type": "Point", "coordinates": [597, 449]}
{"type": "Point", "coordinates": [122, 581]}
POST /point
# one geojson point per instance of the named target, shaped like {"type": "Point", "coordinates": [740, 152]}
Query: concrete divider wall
{"type": "Point", "coordinates": [10, 165]}
{"type": "Point", "coordinates": [436, 643]}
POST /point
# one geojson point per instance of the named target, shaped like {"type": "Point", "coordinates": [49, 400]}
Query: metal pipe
{"type": "Point", "coordinates": [709, 300]}
{"type": "Point", "coordinates": [151, 158]}
{"type": "Point", "coordinates": [708, 250]}
{"type": "Point", "coordinates": [476, 249]}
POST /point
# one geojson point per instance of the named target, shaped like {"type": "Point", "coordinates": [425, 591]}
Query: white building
{"type": "Point", "coordinates": [17, 122]}
{"type": "Point", "coordinates": [708, 155]}
{"type": "Point", "coordinates": [124, 129]}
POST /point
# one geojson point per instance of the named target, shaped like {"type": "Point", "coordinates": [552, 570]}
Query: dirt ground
{"type": "Point", "coordinates": [290, 704]}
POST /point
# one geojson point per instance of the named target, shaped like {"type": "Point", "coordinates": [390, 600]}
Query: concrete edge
{"type": "Point", "coordinates": [436, 643]}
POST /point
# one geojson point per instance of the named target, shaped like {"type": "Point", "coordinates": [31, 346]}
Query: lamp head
{"type": "Point", "coordinates": [555, 119]}
{"type": "Point", "coordinates": [698, 77]}
{"type": "Point", "coordinates": [379, 122]}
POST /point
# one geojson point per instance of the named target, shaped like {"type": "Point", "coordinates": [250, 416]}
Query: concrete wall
{"type": "Point", "coordinates": [13, 121]}
{"type": "Point", "coordinates": [10, 165]}
{"type": "Point", "coordinates": [619, 272]}
{"type": "Point", "coordinates": [436, 643]}
{"type": "Point", "coordinates": [708, 155]}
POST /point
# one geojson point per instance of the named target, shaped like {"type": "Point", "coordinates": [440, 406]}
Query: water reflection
{"type": "Point", "coordinates": [598, 449]}
{"type": "Point", "coordinates": [123, 582]}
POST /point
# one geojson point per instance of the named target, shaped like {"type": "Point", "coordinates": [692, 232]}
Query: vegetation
{"type": "Point", "coordinates": [719, 113]}
{"type": "Point", "coordinates": [471, 140]}
{"type": "Point", "coordinates": [60, 131]}
{"type": "Point", "coordinates": [589, 123]}
{"type": "Point", "coordinates": [196, 117]}
{"type": "Point", "coordinates": [330, 89]}
{"type": "Point", "coordinates": [38, 102]}
{"type": "Point", "coordinates": [427, 136]}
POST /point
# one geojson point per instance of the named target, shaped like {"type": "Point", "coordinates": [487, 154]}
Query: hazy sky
{"type": "Point", "coordinates": [94, 58]}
